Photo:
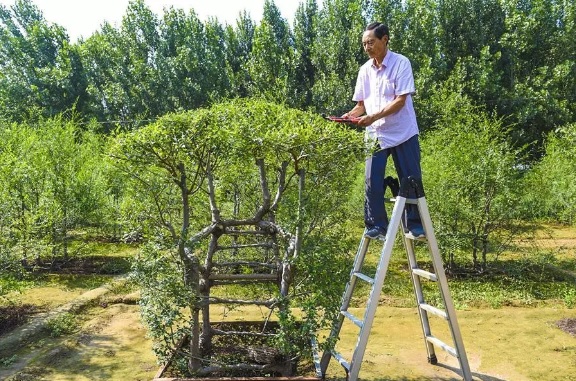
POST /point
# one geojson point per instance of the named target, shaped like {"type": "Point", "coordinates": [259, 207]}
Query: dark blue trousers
{"type": "Point", "coordinates": [406, 158]}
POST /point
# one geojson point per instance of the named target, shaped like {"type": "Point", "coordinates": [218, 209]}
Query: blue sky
{"type": "Point", "coordinates": [84, 17]}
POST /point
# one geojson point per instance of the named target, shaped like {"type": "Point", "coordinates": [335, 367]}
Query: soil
{"type": "Point", "coordinates": [567, 325]}
{"type": "Point", "coordinates": [520, 344]}
{"type": "Point", "coordinates": [244, 356]}
{"type": "Point", "coordinates": [15, 315]}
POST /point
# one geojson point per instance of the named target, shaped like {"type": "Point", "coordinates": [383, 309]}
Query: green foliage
{"type": "Point", "coordinates": [337, 54]}
{"type": "Point", "coordinates": [570, 297]}
{"type": "Point", "coordinates": [40, 73]}
{"type": "Point", "coordinates": [231, 136]}
{"type": "Point", "coordinates": [151, 64]}
{"type": "Point", "coordinates": [50, 182]}
{"type": "Point", "coordinates": [271, 59]}
{"type": "Point", "coordinates": [239, 40]}
{"type": "Point", "coordinates": [163, 299]}
{"type": "Point", "coordinates": [63, 324]}
{"type": "Point", "coordinates": [550, 190]}
{"type": "Point", "coordinates": [478, 67]}
{"type": "Point", "coordinates": [471, 179]}
{"type": "Point", "coordinates": [305, 32]}
{"type": "Point", "coordinates": [220, 146]}
{"type": "Point", "coordinates": [7, 361]}
{"type": "Point", "coordinates": [11, 271]}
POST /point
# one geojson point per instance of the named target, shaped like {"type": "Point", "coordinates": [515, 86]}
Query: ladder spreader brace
{"type": "Point", "coordinates": [410, 187]}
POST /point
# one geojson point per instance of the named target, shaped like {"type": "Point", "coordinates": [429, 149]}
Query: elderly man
{"type": "Point", "coordinates": [383, 97]}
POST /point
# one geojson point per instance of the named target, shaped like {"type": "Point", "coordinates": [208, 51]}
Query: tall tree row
{"type": "Point", "coordinates": [40, 71]}
{"type": "Point", "coordinates": [513, 58]}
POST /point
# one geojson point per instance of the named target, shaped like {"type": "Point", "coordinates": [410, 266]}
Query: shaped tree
{"type": "Point", "coordinates": [237, 194]}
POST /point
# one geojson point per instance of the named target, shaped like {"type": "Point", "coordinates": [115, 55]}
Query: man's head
{"type": "Point", "coordinates": [375, 40]}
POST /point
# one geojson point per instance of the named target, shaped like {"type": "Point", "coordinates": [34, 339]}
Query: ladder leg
{"type": "Point", "coordinates": [414, 185]}
{"type": "Point", "coordinates": [381, 270]}
{"type": "Point", "coordinates": [424, 309]}
{"type": "Point", "coordinates": [347, 296]}
{"type": "Point", "coordinates": [353, 367]}
{"type": "Point", "coordinates": [419, 294]}
{"type": "Point", "coordinates": [444, 291]}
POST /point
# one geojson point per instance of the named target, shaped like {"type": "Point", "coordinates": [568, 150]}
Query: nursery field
{"type": "Point", "coordinates": [81, 321]}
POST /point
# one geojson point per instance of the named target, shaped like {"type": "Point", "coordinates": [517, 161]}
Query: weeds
{"type": "Point", "coordinates": [63, 324]}
{"type": "Point", "coordinates": [7, 361]}
{"type": "Point", "coordinates": [570, 297]}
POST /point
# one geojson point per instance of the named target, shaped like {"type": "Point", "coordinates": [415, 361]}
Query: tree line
{"type": "Point", "coordinates": [515, 58]}
{"type": "Point", "coordinates": [495, 106]}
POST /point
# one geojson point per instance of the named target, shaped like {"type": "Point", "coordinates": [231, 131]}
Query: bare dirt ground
{"type": "Point", "coordinates": [110, 344]}
{"type": "Point", "coordinates": [502, 344]}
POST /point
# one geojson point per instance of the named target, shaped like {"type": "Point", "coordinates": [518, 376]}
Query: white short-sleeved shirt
{"type": "Point", "coordinates": [379, 86]}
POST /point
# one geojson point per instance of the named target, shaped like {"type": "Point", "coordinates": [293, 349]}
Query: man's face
{"type": "Point", "coordinates": [373, 46]}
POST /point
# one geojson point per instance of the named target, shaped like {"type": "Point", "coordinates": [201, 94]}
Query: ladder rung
{"type": "Point", "coordinates": [425, 274]}
{"type": "Point", "coordinates": [364, 277]}
{"type": "Point", "coordinates": [443, 345]}
{"type": "Point", "coordinates": [434, 310]}
{"type": "Point", "coordinates": [353, 318]}
{"type": "Point", "coordinates": [341, 360]}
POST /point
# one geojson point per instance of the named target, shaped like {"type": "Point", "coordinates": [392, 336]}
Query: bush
{"type": "Point", "coordinates": [471, 180]}
{"type": "Point", "coordinates": [63, 324]}
{"type": "Point", "coordinates": [550, 186]}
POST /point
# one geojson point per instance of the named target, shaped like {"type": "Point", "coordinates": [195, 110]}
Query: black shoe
{"type": "Point", "coordinates": [376, 232]}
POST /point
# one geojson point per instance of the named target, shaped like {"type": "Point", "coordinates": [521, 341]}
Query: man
{"type": "Point", "coordinates": [383, 94]}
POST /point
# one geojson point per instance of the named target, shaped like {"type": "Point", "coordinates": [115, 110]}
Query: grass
{"type": "Point", "coordinates": [536, 275]}
{"type": "Point", "coordinates": [63, 324]}
{"type": "Point", "coordinates": [90, 264]}
{"type": "Point", "coordinates": [506, 311]}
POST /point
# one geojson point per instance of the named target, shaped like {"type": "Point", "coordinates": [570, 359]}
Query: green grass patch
{"type": "Point", "coordinates": [526, 277]}
{"type": "Point", "coordinates": [63, 324]}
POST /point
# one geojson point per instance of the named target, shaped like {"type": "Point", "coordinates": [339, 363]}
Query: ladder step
{"type": "Point", "coordinates": [436, 341]}
{"type": "Point", "coordinates": [341, 360]}
{"type": "Point", "coordinates": [353, 318]}
{"type": "Point", "coordinates": [434, 310]}
{"type": "Point", "coordinates": [425, 274]}
{"type": "Point", "coordinates": [364, 277]}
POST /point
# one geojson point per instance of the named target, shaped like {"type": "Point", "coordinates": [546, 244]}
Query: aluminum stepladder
{"type": "Point", "coordinates": [448, 312]}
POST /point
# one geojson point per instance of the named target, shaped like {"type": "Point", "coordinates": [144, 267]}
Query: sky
{"type": "Point", "coordinates": [81, 18]}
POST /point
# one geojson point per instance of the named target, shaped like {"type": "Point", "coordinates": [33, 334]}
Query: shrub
{"type": "Point", "coordinates": [550, 186]}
